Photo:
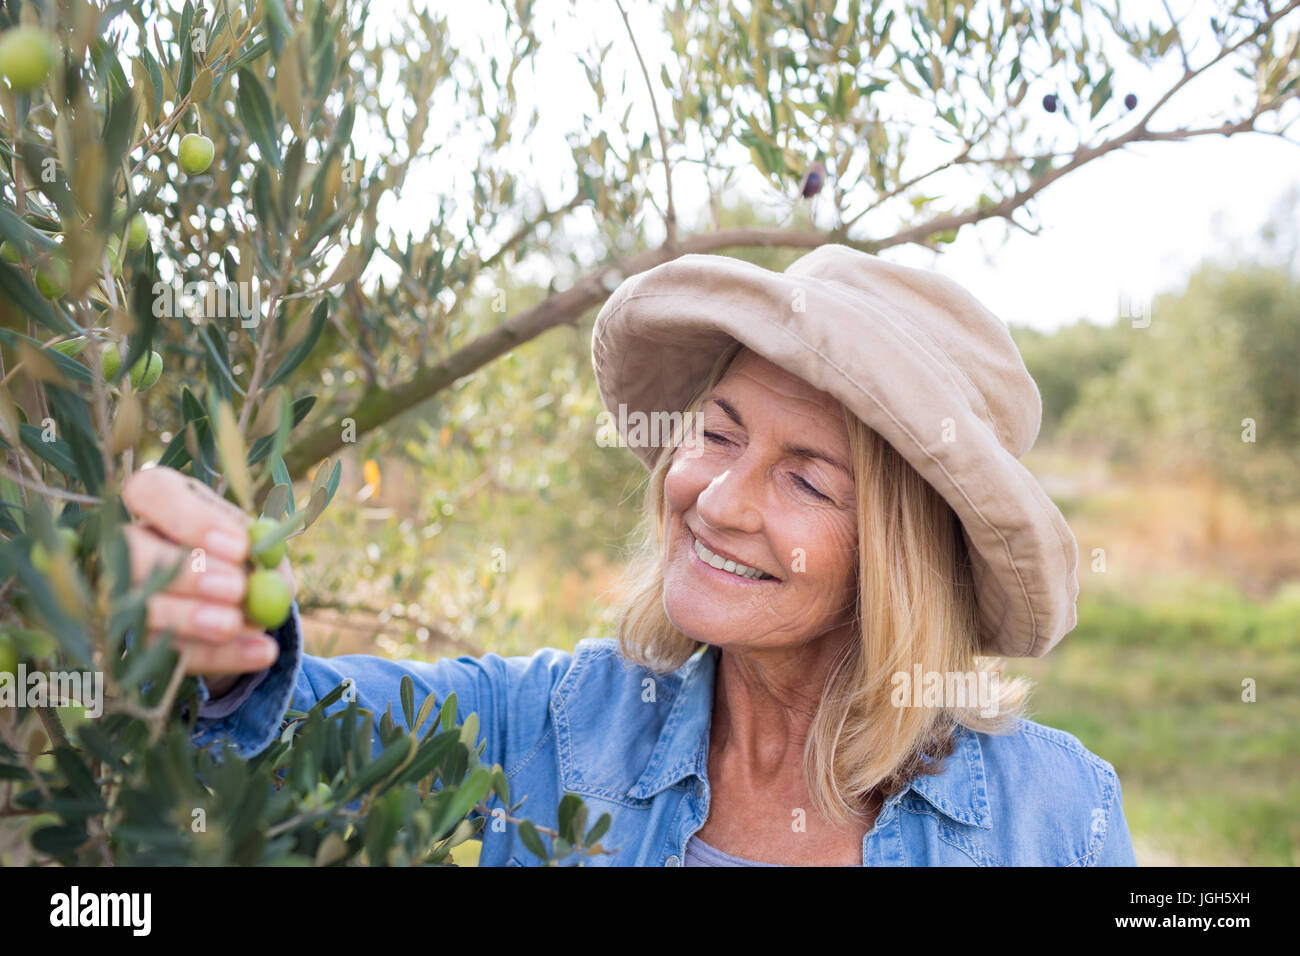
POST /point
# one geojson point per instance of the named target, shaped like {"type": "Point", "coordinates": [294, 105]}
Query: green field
{"type": "Point", "coordinates": [1156, 688]}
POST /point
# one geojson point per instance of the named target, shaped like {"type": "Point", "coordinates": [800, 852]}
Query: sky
{"type": "Point", "coordinates": [1133, 225]}
{"type": "Point", "coordinates": [1122, 228]}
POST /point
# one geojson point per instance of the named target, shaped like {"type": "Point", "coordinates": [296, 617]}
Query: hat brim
{"type": "Point", "coordinates": [657, 338]}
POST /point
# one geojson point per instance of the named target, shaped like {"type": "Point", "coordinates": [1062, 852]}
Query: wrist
{"type": "Point", "coordinates": [220, 686]}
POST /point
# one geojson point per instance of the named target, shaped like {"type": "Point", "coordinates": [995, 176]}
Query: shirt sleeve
{"type": "Point", "coordinates": [1117, 845]}
{"type": "Point", "coordinates": [239, 692]}
{"type": "Point", "coordinates": [250, 714]}
{"type": "Point", "coordinates": [510, 695]}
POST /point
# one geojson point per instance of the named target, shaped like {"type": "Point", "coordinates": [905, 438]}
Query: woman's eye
{"type": "Point", "coordinates": [803, 482]}
{"type": "Point", "coordinates": [800, 479]}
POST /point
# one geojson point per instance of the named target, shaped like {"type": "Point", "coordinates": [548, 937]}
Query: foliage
{"type": "Point", "coordinates": [1064, 360]}
{"type": "Point", "coordinates": [314, 797]}
{"type": "Point", "coordinates": [264, 230]}
{"type": "Point", "coordinates": [1210, 385]}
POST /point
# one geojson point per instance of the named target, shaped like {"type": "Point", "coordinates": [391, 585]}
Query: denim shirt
{"type": "Point", "coordinates": [635, 744]}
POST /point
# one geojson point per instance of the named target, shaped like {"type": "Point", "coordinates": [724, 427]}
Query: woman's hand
{"type": "Point", "coordinates": [179, 518]}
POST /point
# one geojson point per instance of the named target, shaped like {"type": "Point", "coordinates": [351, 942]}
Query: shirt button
{"type": "Point", "coordinates": [672, 861]}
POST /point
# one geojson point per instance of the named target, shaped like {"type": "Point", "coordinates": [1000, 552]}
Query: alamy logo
{"type": "Point", "coordinates": [224, 300]}
{"type": "Point", "coordinates": [26, 688]}
{"type": "Point", "coordinates": [954, 689]}
{"type": "Point", "coordinates": [638, 429]}
{"type": "Point", "coordinates": [102, 909]}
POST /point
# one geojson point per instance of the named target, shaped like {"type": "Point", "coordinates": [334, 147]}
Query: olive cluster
{"type": "Point", "coordinates": [267, 601]}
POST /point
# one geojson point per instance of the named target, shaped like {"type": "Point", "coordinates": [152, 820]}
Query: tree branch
{"type": "Point", "coordinates": [376, 406]}
{"type": "Point", "coordinates": [46, 490]}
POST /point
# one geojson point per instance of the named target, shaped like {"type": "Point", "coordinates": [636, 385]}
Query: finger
{"type": "Point", "coordinates": [250, 652]}
{"type": "Point", "coordinates": [211, 579]}
{"type": "Point", "coordinates": [188, 512]}
{"type": "Point", "coordinates": [247, 632]}
{"type": "Point", "coordinates": [195, 619]}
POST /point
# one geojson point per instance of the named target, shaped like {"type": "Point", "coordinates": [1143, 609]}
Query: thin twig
{"type": "Point", "coordinates": [528, 228]}
{"type": "Point", "coordinates": [259, 362]}
{"type": "Point", "coordinates": [44, 489]}
{"type": "Point", "coordinates": [670, 217]}
{"type": "Point", "coordinates": [903, 187]}
{"type": "Point", "coordinates": [17, 457]}
{"type": "Point", "coordinates": [1178, 37]}
{"type": "Point", "coordinates": [308, 817]}
{"type": "Point", "coordinates": [169, 696]}
{"type": "Point", "coordinates": [1189, 75]}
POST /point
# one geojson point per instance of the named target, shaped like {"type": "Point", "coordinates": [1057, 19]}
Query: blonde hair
{"type": "Point", "coordinates": [915, 605]}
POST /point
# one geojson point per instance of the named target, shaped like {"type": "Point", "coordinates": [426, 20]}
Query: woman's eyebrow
{"type": "Point", "coordinates": [790, 448]}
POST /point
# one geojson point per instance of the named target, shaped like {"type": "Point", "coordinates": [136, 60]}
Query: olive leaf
{"type": "Point", "coordinates": [407, 691]}
{"type": "Point", "coordinates": [426, 708]}
{"type": "Point", "coordinates": [532, 840]}
{"type": "Point", "coordinates": [230, 448]}
{"type": "Point", "coordinates": [277, 502]}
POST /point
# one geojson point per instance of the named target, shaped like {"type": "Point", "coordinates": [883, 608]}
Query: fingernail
{"type": "Point", "coordinates": [261, 651]}
{"type": "Point", "coordinates": [223, 587]}
{"type": "Point", "coordinates": [217, 619]}
{"type": "Point", "coordinates": [224, 544]}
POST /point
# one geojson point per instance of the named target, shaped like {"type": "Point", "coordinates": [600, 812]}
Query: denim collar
{"type": "Point", "coordinates": [683, 745]}
{"type": "Point", "coordinates": [958, 791]}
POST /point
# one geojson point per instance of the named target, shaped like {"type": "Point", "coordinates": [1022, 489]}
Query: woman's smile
{"type": "Point", "coordinates": [733, 572]}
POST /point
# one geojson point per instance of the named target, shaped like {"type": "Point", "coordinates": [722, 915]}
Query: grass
{"type": "Point", "coordinates": [1160, 689]}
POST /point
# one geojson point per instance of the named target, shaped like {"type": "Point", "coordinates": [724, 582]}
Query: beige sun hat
{"type": "Point", "coordinates": [914, 355]}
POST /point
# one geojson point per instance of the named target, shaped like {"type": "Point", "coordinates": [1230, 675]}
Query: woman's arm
{"type": "Point", "coordinates": [510, 695]}
{"type": "Point", "coordinates": [178, 518]}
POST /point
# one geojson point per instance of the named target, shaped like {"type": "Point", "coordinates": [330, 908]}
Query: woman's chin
{"type": "Point", "coordinates": [703, 624]}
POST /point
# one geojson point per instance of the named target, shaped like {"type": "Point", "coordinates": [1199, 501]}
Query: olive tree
{"type": "Point", "coordinates": [178, 228]}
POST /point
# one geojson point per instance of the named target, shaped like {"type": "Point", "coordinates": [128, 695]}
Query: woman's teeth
{"type": "Point", "coordinates": [726, 564]}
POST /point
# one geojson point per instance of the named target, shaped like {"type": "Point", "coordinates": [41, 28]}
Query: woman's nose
{"type": "Point", "coordinates": [733, 498]}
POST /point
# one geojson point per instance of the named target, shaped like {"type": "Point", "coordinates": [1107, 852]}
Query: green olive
{"type": "Point", "coordinates": [27, 55]}
{"type": "Point", "coordinates": [268, 599]}
{"type": "Point", "coordinates": [53, 278]}
{"type": "Point", "coordinates": [10, 252]}
{"type": "Point", "coordinates": [110, 361]}
{"type": "Point", "coordinates": [144, 373]}
{"type": "Point", "coordinates": [137, 233]}
{"type": "Point", "coordinates": [258, 530]}
{"type": "Point", "coordinates": [196, 153]}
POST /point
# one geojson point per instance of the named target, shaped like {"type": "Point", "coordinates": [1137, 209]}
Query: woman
{"type": "Point", "coordinates": [838, 537]}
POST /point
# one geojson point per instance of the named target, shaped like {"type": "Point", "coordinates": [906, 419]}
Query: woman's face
{"type": "Point", "coordinates": [770, 486]}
